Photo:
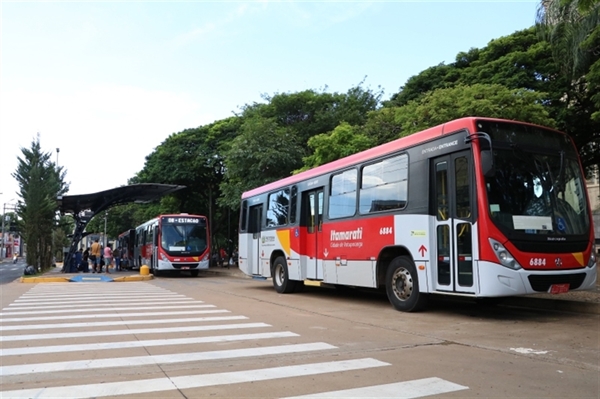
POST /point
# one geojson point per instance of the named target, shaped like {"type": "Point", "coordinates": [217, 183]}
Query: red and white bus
{"type": "Point", "coordinates": [173, 243]}
{"type": "Point", "coordinates": [476, 207]}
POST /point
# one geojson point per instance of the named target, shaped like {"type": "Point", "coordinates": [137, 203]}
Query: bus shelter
{"type": "Point", "coordinates": [84, 207]}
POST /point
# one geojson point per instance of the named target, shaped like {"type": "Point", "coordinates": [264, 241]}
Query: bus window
{"type": "Point", "coordinates": [342, 200]}
{"type": "Point", "coordinates": [463, 204]}
{"type": "Point", "coordinates": [278, 208]}
{"type": "Point", "coordinates": [293, 204]}
{"type": "Point", "coordinates": [384, 185]}
{"type": "Point", "coordinates": [244, 222]}
{"type": "Point", "coordinates": [441, 175]}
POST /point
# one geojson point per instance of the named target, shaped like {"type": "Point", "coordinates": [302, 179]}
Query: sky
{"type": "Point", "coordinates": [106, 82]}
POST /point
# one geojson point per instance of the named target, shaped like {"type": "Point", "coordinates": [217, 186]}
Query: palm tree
{"type": "Point", "coordinates": [572, 27]}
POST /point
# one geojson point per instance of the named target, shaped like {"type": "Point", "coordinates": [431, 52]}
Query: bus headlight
{"type": "Point", "coordinates": [592, 261]}
{"type": "Point", "coordinates": [504, 257]}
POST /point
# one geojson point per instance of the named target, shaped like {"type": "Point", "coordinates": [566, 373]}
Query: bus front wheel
{"type": "Point", "coordinates": [402, 285]}
{"type": "Point", "coordinates": [281, 279]}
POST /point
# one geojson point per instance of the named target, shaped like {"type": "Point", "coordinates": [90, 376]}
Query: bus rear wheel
{"type": "Point", "coordinates": [281, 279]}
{"type": "Point", "coordinates": [402, 285]}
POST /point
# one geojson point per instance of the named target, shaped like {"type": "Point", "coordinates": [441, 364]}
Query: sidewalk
{"type": "Point", "coordinates": [55, 274]}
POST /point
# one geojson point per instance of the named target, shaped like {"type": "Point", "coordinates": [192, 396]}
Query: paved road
{"type": "Point", "coordinates": [231, 337]}
{"type": "Point", "coordinates": [10, 271]}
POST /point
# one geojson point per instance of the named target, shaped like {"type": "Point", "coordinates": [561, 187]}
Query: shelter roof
{"type": "Point", "coordinates": [100, 201]}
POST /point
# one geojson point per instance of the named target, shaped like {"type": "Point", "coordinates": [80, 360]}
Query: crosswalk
{"type": "Point", "coordinates": [132, 335]}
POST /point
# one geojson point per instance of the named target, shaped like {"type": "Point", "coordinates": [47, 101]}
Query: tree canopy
{"type": "Point", "coordinates": [40, 182]}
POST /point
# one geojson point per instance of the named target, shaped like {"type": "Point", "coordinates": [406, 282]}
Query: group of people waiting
{"type": "Point", "coordinates": [96, 257]}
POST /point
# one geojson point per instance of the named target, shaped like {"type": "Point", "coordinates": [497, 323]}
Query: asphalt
{"type": "Point", "coordinates": [573, 301]}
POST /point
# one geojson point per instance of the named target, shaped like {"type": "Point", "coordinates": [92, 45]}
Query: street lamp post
{"type": "Point", "coordinates": [2, 245]}
{"type": "Point", "coordinates": [105, 239]}
{"type": "Point", "coordinates": [57, 151]}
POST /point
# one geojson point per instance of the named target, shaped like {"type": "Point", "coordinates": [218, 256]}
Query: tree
{"type": "Point", "coordinates": [525, 61]}
{"type": "Point", "coordinates": [263, 152]}
{"type": "Point", "coordinates": [344, 140]}
{"type": "Point", "coordinates": [490, 100]}
{"type": "Point", "coordinates": [572, 27]}
{"type": "Point", "coordinates": [40, 182]}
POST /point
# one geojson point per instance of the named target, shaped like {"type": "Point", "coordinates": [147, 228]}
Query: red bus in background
{"type": "Point", "coordinates": [475, 207]}
{"type": "Point", "coordinates": [126, 242]}
{"type": "Point", "coordinates": [173, 243]}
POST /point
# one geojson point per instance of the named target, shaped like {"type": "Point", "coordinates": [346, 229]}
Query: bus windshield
{"type": "Point", "coordinates": [184, 238]}
{"type": "Point", "coordinates": [538, 187]}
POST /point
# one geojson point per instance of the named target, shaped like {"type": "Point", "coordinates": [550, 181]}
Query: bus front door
{"type": "Point", "coordinates": [452, 203]}
{"type": "Point", "coordinates": [313, 214]}
{"type": "Point", "coordinates": [255, 228]}
{"type": "Point", "coordinates": [155, 243]}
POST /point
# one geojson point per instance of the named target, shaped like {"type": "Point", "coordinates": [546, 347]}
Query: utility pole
{"type": "Point", "coordinates": [2, 244]}
{"type": "Point", "coordinates": [3, 219]}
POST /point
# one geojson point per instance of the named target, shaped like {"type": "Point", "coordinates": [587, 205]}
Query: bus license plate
{"type": "Point", "coordinates": [559, 288]}
{"type": "Point", "coordinates": [187, 267]}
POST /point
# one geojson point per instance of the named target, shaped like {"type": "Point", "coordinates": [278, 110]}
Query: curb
{"type": "Point", "coordinates": [44, 280]}
{"type": "Point", "coordinates": [72, 280]}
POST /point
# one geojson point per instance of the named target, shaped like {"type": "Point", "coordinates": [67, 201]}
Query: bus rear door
{"type": "Point", "coordinates": [453, 206]}
{"type": "Point", "coordinates": [254, 228]}
{"type": "Point", "coordinates": [312, 213]}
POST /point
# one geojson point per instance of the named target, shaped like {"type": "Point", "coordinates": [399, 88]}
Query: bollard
{"type": "Point", "coordinates": [144, 270]}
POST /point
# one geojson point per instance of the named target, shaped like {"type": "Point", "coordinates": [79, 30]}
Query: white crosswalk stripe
{"type": "Point", "coordinates": [120, 323]}
{"type": "Point", "coordinates": [176, 322]}
{"type": "Point", "coordinates": [192, 381]}
{"type": "Point", "coordinates": [106, 333]}
{"type": "Point", "coordinates": [405, 390]}
{"type": "Point", "coordinates": [74, 310]}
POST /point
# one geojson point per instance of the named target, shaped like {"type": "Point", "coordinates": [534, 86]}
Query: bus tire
{"type": "Point", "coordinates": [281, 279]}
{"type": "Point", "coordinates": [402, 285]}
{"type": "Point", "coordinates": [194, 273]}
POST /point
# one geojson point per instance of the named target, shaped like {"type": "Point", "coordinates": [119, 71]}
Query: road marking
{"type": "Point", "coordinates": [119, 323]}
{"type": "Point", "coordinates": [134, 361]}
{"type": "Point", "coordinates": [83, 334]}
{"type": "Point", "coordinates": [193, 381]}
{"type": "Point", "coordinates": [405, 390]}
{"type": "Point", "coordinates": [132, 302]}
{"type": "Point", "coordinates": [142, 344]}
{"type": "Point", "coordinates": [100, 297]}
{"type": "Point", "coordinates": [103, 309]}
{"type": "Point", "coordinates": [108, 315]}
{"type": "Point", "coordinates": [88, 291]}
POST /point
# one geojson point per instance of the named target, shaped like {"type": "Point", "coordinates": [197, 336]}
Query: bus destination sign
{"type": "Point", "coordinates": [181, 220]}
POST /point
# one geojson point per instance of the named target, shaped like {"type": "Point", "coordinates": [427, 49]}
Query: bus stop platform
{"type": "Point", "coordinates": [55, 275]}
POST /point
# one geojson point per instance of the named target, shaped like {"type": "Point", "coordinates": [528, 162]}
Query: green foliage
{"type": "Point", "coordinates": [341, 142]}
{"type": "Point", "coordinates": [490, 100]}
{"type": "Point", "coordinates": [572, 27]}
{"type": "Point", "coordinates": [521, 61]}
{"type": "Point", "coordinates": [262, 152]}
{"type": "Point", "coordinates": [40, 182]}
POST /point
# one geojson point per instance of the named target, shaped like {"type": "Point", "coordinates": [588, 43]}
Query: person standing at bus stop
{"type": "Point", "coordinates": [108, 257]}
{"type": "Point", "coordinates": [95, 256]}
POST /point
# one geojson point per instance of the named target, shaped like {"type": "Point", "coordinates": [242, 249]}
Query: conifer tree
{"type": "Point", "coordinates": [40, 182]}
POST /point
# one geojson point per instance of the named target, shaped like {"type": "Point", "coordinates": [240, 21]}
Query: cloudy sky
{"type": "Point", "coordinates": [107, 82]}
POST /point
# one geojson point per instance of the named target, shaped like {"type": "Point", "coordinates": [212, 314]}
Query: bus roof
{"type": "Point", "coordinates": [383, 149]}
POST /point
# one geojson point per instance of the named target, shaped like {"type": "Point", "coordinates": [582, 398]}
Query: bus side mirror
{"type": "Point", "coordinates": [487, 163]}
{"type": "Point", "coordinates": [486, 154]}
